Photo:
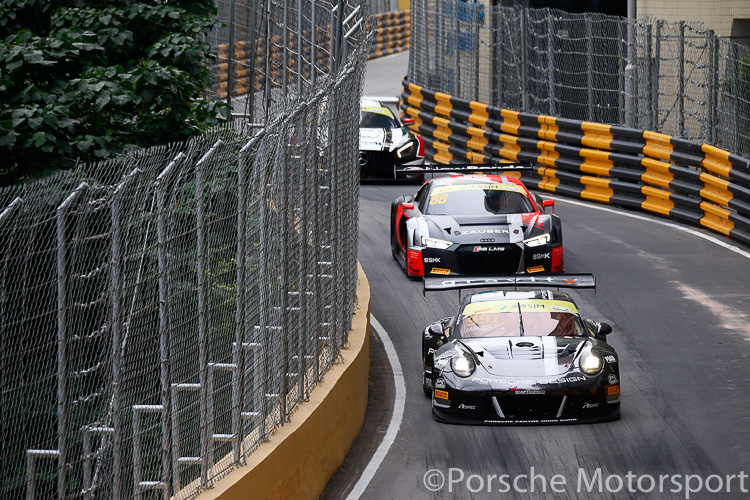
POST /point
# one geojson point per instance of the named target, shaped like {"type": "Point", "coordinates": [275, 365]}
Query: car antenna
{"type": "Point", "coordinates": [520, 318]}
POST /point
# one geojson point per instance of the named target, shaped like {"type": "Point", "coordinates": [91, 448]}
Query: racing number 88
{"type": "Point", "coordinates": [438, 199]}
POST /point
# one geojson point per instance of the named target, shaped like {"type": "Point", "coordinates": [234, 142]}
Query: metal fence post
{"type": "Point", "coordinates": [285, 48]}
{"type": "Point", "coordinates": [655, 87]}
{"type": "Point", "coordinates": [62, 335]}
{"type": "Point", "coordinates": [230, 58]}
{"type": "Point", "coordinates": [116, 294]}
{"type": "Point", "coordinates": [590, 68]}
{"type": "Point", "coordinates": [713, 85]}
{"type": "Point", "coordinates": [164, 372]}
{"type": "Point", "coordinates": [551, 66]}
{"type": "Point", "coordinates": [206, 416]}
{"type": "Point", "coordinates": [681, 81]}
{"type": "Point", "coordinates": [524, 62]}
{"type": "Point", "coordinates": [313, 41]}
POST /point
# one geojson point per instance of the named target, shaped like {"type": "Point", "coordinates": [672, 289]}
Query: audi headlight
{"type": "Point", "coordinates": [591, 363]}
{"type": "Point", "coordinates": [405, 150]}
{"type": "Point", "coordinates": [435, 243]}
{"type": "Point", "coordinates": [463, 366]}
{"type": "Point", "coordinates": [536, 241]}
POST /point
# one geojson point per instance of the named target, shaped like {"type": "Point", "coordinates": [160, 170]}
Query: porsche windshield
{"type": "Point", "coordinates": [515, 318]}
{"type": "Point", "coordinates": [369, 119]}
{"type": "Point", "coordinates": [478, 199]}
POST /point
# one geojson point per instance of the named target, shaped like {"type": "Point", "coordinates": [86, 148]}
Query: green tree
{"type": "Point", "coordinates": [83, 79]}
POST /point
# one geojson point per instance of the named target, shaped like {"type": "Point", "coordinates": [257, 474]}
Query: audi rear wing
{"type": "Point", "coordinates": [584, 280]}
{"type": "Point", "coordinates": [465, 167]}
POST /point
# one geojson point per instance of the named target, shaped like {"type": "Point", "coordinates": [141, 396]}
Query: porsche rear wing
{"type": "Point", "coordinates": [465, 167]}
{"type": "Point", "coordinates": [584, 280]}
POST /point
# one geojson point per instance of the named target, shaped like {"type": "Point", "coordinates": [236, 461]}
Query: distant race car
{"type": "Point", "coordinates": [384, 143]}
{"type": "Point", "coordinates": [472, 225]}
{"type": "Point", "coordinates": [519, 357]}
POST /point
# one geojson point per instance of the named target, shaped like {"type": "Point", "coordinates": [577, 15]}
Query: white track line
{"type": "Point", "coordinates": [398, 414]}
{"type": "Point", "coordinates": [657, 221]}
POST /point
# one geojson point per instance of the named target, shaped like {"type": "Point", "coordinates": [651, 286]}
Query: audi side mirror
{"type": "Point", "coordinates": [549, 204]}
{"type": "Point", "coordinates": [408, 122]}
{"type": "Point", "coordinates": [408, 206]}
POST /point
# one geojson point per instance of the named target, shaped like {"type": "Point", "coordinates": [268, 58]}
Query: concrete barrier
{"type": "Point", "coordinates": [301, 456]}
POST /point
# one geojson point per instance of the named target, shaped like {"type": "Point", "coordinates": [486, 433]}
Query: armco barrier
{"type": "Point", "coordinates": [684, 180]}
{"type": "Point", "coordinates": [393, 34]}
{"type": "Point", "coordinates": [303, 455]}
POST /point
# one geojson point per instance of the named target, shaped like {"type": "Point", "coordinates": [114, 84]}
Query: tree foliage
{"type": "Point", "coordinates": [83, 79]}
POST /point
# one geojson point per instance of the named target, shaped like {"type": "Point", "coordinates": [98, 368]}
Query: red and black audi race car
{"type": "Point", "coordinates": [471, 224]}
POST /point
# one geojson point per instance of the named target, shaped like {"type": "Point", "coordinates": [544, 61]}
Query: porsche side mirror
{"type": "Point", "coordinates": [435, 330]}
{"type": "Point", "coordinates": [549, 204]}
{"type": "Point", "coordinates": [408, 206]}
{"type": "Point", "coordinates": [603, 329]}
{"type": "Point", "coordinates": [408, 121]}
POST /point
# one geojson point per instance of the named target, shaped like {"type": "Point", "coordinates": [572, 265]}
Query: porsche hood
{"type": "Point", "coordinates": [526, 356]}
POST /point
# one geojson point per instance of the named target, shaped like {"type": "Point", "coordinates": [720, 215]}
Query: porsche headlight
{"type": "Point", "coordinates": [435, 243]}
{"type": "Point", "coordinates": [405, 150]}
{"type": "Point", "coordinates": [536, 241]}
{"type": "Point", "coordinates": [591, 363]}
{"type": "Point", "coordinates": [463, 365]}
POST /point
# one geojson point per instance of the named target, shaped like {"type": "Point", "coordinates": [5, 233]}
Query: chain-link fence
{"type": "Point", "coordinates": [277, 49]}
{"type": "Point", "coordinates": [162, 313]}
{"type": "Point", "coordinates": [677, 78]}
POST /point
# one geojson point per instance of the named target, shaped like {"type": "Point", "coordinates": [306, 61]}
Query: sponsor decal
{"type": "Point", "coordinates": [502, 306]}
{"type": "Point", "coordinates": [590, 405]}
{"type": "Point", "coordinates": [517, 382]}
{"type": "Point", "coordinates": [613, 389]}
{"type": "Point", "coordinates": [528, 391]}
{"type": "Point", "coordinates": [488, 249]}
{"type": "Point", "coordinates": [560, 308]}
{"type": "Point", "coordinates": [612, 378]}
{"type": "Point", "coordinates": [413, 254]}
{"type": "Point", "coordinates": [467, 407]}
{"type": "Point", "coordinates": [427, 260]}
{"type": "Point", "coordinates": [477, 187]}
{"type": "Point", "coordinates": [535, 269]}
{"type": "Point", "coordinates": [441, 394]}
{"type": "Point", "coordinates": [487, 240]}
{"type": "Point", "coordinates": [430, 351]}
{"type": "Point", "coordinates": [428, 381]}
{"type": "Point", "coordinates": [610, 359]}
{"type": "Point", "coordinates": [484, 231]}
{"type": "Point", "coordinates": [440, 383]}
{"type": "Point", "coordinates": [538, 256]}
{"type": "Point", "coordinates": [439, 270]}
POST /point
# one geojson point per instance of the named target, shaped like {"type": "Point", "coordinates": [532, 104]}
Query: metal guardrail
{"type": "Point", "coordinates": [689, 181]}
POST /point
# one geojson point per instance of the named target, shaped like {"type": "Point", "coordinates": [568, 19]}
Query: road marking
{"type": "Point", "coordinates": [657, 221]}
{"type": "Point", "coordinates": [396, 418]}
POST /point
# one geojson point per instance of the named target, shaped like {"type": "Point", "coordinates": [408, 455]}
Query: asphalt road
{"type": "Point", "coordinates": [678, 304]}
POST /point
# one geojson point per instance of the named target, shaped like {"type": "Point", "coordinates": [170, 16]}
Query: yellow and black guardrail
{"type": "Point", "coordinates": [692, 182]}
{"type": "Point", "coordinates": [393, 34]}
